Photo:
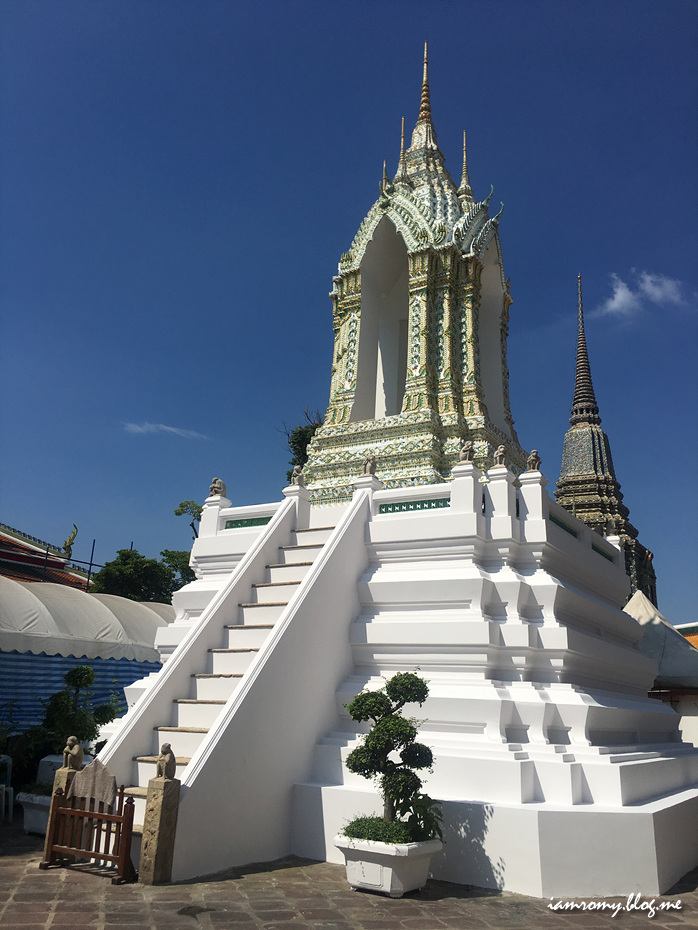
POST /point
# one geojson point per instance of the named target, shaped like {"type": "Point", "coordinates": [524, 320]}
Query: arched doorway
{"type": "Point", "coordinates": [382, 362]}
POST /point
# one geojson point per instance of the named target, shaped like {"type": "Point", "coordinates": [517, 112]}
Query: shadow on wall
{"type": "Point", "coordinates": [464, 858]}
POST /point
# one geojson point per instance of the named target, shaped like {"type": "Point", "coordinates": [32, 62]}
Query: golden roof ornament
{"type": "Point", "coordinates": [465, 191]}
{"type": "Point", "coordinates": [425, 103]}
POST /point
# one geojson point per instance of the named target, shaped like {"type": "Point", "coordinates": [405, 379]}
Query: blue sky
{"type": "Point", "coordinates": [181, 178]}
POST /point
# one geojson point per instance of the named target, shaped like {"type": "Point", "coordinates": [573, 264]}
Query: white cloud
{"type": "Point", "coordinates": [660, 289]}
{"type": "Point", "coordinates": [624, 301]}
{"type": "Point", "coordinates": [161, 428]}
{"type": "Point", "coordinates": [629, 299]}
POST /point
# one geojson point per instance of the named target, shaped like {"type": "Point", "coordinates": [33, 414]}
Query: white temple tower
{"type": "Point", "coordinates": [421, 311]}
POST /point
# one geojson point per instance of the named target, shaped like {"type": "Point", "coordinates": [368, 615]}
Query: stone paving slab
{"type": "Point", "coordinates": [289, 894]}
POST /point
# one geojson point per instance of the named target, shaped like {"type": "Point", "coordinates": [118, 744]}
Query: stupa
{"type": "Point", "coordinates": [588, 486]}
{"type": "Point", "coordinates": [425, 538]}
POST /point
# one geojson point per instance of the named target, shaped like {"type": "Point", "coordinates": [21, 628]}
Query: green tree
{"type": "Point", "coordinates": [193, 510]}
{"type": "Point", "coordinates": [299, 439]}
{"type": "Point", "coordinates": [134, 576]}
{"type": "Point", "coordinates": [68, 712]}
{"type": "Point", "coordinates": [189, 509]}
{"type": "Point", "coordinates": [178, 561]}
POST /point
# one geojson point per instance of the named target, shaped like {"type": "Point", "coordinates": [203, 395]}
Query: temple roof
{"type": "Point", "coordinates": [26, 558]}
{"type": "Point", "coordinates": [422, 200]}
{"type": "Point", "coordinates": [423, 167]}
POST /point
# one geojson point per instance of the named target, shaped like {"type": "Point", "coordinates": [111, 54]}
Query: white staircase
{"type": "Point", "coordinates": [223, 667]}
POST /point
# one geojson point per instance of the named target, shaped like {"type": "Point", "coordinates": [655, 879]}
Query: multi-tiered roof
{"type": "Point", "coordinates": [588, 486]}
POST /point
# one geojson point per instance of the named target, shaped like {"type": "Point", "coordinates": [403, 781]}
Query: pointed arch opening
{"type": "Point", "coordinates": [382, 362]}
{"type": "Point", "coordinates": [492, 372]}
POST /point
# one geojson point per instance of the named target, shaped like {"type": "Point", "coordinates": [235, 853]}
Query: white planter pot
{"type": "Point", "coordinates": [391, 868]}
{"type": "Point", "coordinates": [36, 811]}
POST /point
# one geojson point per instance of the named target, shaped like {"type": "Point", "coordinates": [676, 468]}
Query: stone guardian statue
{"type": "Point", "coordinates": [167, 764]}
{"type": "Point", "coordinates": [73, 754]}
{"type": "Point", "coordinates": [217, 489]}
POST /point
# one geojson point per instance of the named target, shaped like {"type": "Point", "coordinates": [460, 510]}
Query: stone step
{"type": "Point", "coordinates": [256, 614]}
{"type": "Point", "coordinates": [311, 536]}
{"type": "Point", "coordinates": [294, 554]}
{"type": "Point", "coordinates": [184, 740]}
{"type": "Point", "coordinates": [292, 571]}
{"type": "Point", "coordinates": [274, 592]}
{"type": "Point", "coordinates": [233, 661]}
{"type": "Point", "coordinates": [207, 686]}
{"type": "Point", "coordinates": [196, 712]}
{"type": "Point", "coordinates": [251, 636]}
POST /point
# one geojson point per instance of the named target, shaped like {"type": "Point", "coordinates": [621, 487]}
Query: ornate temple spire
{"type": "Point", "coordinates": [425, 104]}
{"type": "Point", "coordinates": [402, 164]}
{"type": "Point", "coordinates": [584, 406]}
{"type": "Point", "coordinates": [424, 134]}
{"type": "Point", "coordinates": [465, 191]}
{"type": "Point", "coordinates": [588, 486]}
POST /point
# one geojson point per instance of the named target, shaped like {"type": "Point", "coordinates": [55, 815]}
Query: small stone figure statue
{"type": "Point", "coordinates": [217, 489]}
{"type": "Point", "coordinates": [369, 465]}
{"type": "Point", "coordinates": [297, 475]}
{"type": "Point", "coordinates": [466, 452]}
{"type": "Point", "coordinates": [533, 461]}
{"type": "Point", "coordinates": [167, 763]}
{"type": "Point", "coordinates": [73, 754]}
{"type": "Point", "coordinates": [500, 455]}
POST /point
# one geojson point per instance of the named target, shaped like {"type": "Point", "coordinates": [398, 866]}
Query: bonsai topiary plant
{"type": "Point", "coordinates": [389, 753]}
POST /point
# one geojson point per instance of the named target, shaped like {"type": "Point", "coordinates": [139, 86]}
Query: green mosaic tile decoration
{"type": "Point", "coordinates": [244, 524]}
{"type": "Point", "coordinates": [436, 503]}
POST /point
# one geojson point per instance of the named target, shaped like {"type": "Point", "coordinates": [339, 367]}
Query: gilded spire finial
{"type": "Point", "coordinates": [425, 104]}
{"type": "Point", "coordinates": [385, 186]}
{"type": "Point", "coordinates": [465, 191]}
{"type": "Point", "coordinates": [584, 406]}
{"type": "Point", "coordinates": [402, 162]}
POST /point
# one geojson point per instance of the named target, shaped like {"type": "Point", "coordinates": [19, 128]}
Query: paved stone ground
{"type": "Point", "coordinates": [289, 894]}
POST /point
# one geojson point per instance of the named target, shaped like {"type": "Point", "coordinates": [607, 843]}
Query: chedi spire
{"type": "Point", "coordinates": [584, 406]}
{"type": "Point", "coordinates": [425, 103]}
{"type": "Point", "coordinates": [588, 486]}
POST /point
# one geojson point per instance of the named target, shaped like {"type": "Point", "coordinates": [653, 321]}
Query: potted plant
{"type": "Point", "coordinates": [392, 853]}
